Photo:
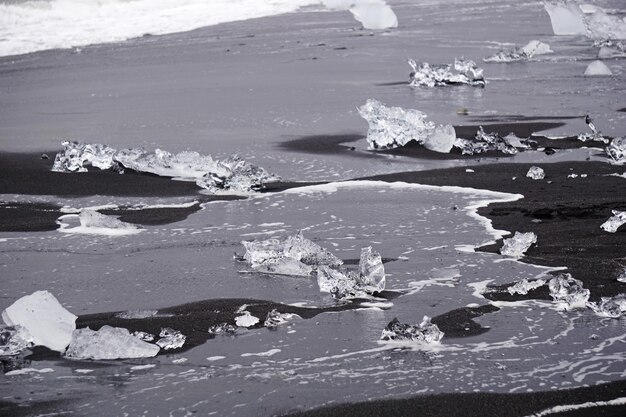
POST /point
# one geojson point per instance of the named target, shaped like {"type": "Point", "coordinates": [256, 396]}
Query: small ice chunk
{"type": "Point", "coordinates": [108, 343]}
{"type": "Point", "coordinates": [341, 284]}
{"type": "Point", "coordinates": [44, 318]}
{"type": "Point", "coordinates": [566, 18]}
{"type": "Point", "coordinates": [535, 47]}
{"type": "Point", "coordinates": [371, 270]}
{"type": "Point", "coordinates": [136, 314]}
{"type": "Point", "coordinates": [394, 127]}
{"type": "Point", "coordinates": [522, 287]}
{"type": "Point", "coordinates": [486, 142]}
{"type": "Point", "coordinates": [622, 276]}
{"type": "Point", "coordinates": [597, 68]}
{"type": "Point", "coordinates": [425, 332]}
{"type": "Point", "coordinates": [610, 49]}
{"type": "Point", "coordinates": [617, 150]}
{"type": "Point", "coordinates": [613, 223]}
{"type": "Point", "coordinates": [235, 174]}
{"type": "Point", "coordinates": [309, 253]}
{"type": "Point", "coordinates": [13, 340]}
{"type": "Point", "coordinates": [568, 291]}
{"type": "Point", "coordinates": [372, 14]}
{"type": "Point", "coordinates": [246, 320]}
{"type": "Point", "coordinates": [595, 133]}
{"type": "Point", "coordinates": [517, 245]}
{"type": "Point", "coordinates": [524, 53]}
{"type": "Point", "coordinates": [275, 318]}
{"type": "Point", "coordinates": [93, 222]}
{"type": "Point", "coordinates": [536, 173]}
{"type": "Point", "coordinates": [222, 328]}
{"type": "Point", "coordinates": [462, 72]}
{"type": "Point", "coordinates": [613, 307]}
{"type": "Point", "coordinates": [171, 339]}
{"type": "Point", "coordinates": [145, 336]}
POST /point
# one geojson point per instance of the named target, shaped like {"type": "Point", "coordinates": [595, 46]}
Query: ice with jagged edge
{"type": "Point", "coordinates": [462, 72]}
{"type": "Point", "coordinates": [393, 127]}
{"type": "Point", "coordinates": [486, 142]}
{"type": "Point", "coordinates": [568, 292]}
{"type": "Point", "coordinates": [522, 287]}
{"type": "Point", "coordinates": [369, 278]}
{"type": "Point", "coordinates": [614, 222]}
{"type": "Point", "coordinates": [171, 339]}
{"type": "Point", "coordinates": [425, 332]}
{"type": "Point", "coordinates": [222, 328]}
{"type": "Point", "coordinates": [13, 340]}
{"type": "Point", "coordinates": [524, 53]}
{"type": "Point", "coordinates": [517, 245]}
{"type": "Point", "coordinates": [617, 150]}
{"type": "Point", "coordinates": [610, 49]}
{"type": "Point", "coordinates": [145, 336]}
{"type": "Point", "coordinates": [595, 133]}
{"type": "Point", "coordinates": [536, 173]}
{"type": "Point", "coordinates": [295, 255]}
{"type": "Point", "coordinates": [275, 318]}
{"type": "Point", "coordinates": [602, 25]}
{"type": "Point", "coordinates": [613, 307]}
{"type": "Point", "coordinates": [233, 174]}
{"type": "Point", "coordinates": [567, 18]}
{"type": "Point", "coordinates": [93, 222]}
{"type": "Point", "coordinates": [41, 315]}
{"type": "Point", "coordinates": [246, 319]}
{"type": "Point", "coordinates": [108, 343]}
{"type": "Point", "coordinates": [622, 276]}
{"type": "Point", "coordinates": [372, 14]}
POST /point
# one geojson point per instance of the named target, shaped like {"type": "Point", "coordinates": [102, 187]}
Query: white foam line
{"type": "Point", "coordinates": [572, 407]}
{"type": "Point", "coordinates": [72, 210]}
{"type": "Point", "coordinates": [163, 206]}
{"type": "Point", "coordinates": [269, 353]}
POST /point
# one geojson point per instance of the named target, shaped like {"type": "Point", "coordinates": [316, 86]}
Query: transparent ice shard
{"type": "Point", "coordinates": [222, 328]}
{"type": "Point", "coordinates": [295, 256]}
{"type": "Point", "coordinates": [597, 68]}
{"type": "Point", "coordinates": [617, 150]}
{"type": "Point", "coordinates": [108, 343]}
{"type": "Point", "coordinates": [393, 127]}
{"type": "Point", "coordinates": [568, 291]}
{"type": "Point", "coordinates": [613, 307]}
{"type": "Point", "coordinates": [522, 287]}
{"type": "Point", "coordinates": [145, 336]}
{"type": "Point", "coordinates": [486, 142]}
{"type": "Point", "coordinates": [622, 276]}
{"type": "Point", "coordinates": [235, 174]}
{"type": "Point", "coordinates": [614, 222]}
{"type": "Point", "coordinates": [462, 72]}
{"type": "Point", "coordinates": [246, 320]}
{"type": "Point", "coordinates": [369, 279]}
{"type": "Point", "coordinates": [566, 18]}
{"type": "Point", "coordinates": [425, 332]}
{"type": "Point", "coordinates": [275, 318]}
{"type": "Point", "coordinates": [517, 245]}
{"type": "Point", "coordinates": [44, 318]}
{"type": "Point", "coordinates": [13, 340]}
{"type": "Point", "coordinates": [171, 339]}
{"type": "Point", "coordinates": [91, 219]}
{"type": "Point", "coordinates": [136, 314]}
{"type": "Point", "coordinates": [76, 155]}
{"type": "Point", "coordinates": [536, 173]}
{"type": "Point", "coordinates": [524, 53]}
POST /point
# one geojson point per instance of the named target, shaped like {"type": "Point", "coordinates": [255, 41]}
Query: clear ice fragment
{"type": "Point", "coordinates": [522, 287]}
{"type": "Point", "coordinates": [517, 245]}
{"type": "Point", "coordinates": [222, 328]}
{"type": "Point", "coordinates": [91, 220]}
{"type": "Point", "coordinates": [614, 222]}
{"type": "Point", "coordinates": [524, 53]}
{"type": "Point", "coordinates": [613, 307]}
{"type": "Point", "coordinates": [44, 318]}
{"type": "Point", "coordinates": [136, 314]}
{"type": "Point", "coordinates": [462, 72]}
{"type": "Point", "coordinates": [536, 173]}
{"type": "Point", "coordinates": [371, 270]}
{"type": "Point", "coordinates": [425, 332]}
{"type": "Point", "coordinates": [108, 343]}
{"type": "Point", "coordinates": [171, 339]}
{"type": "Point", "coordinates": [235, 174]}
{"type": "Point", "coordinates": [76, 155]}
{"type": "Point", "coordinates": [566, 18]}
{"type": "Point", "coordinates": [275, 318]}
{"type": "Point", "coordinates": [369, 279]}
{"type": "Point", "coordinates": [246, 320]}
{"type": "Point", "coordinates": [13, 340]}
{"type": "Point", "coordinates": [622, 276]}
{"type": "Point", "coordinates": [568, 291]}
{"type": "Point", "coordinates": [610, 49]}
{"type": "Point", "coordinates": [486, 142]}
{"type": "Point", "coordinates": [617, 150]}
{"type": "Point", "coordinates": [145, 336]}
{"type": "Point", "coordinates": [601, 25]}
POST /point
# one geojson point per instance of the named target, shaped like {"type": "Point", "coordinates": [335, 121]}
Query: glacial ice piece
{"type": "Point", "coordinates": [613, 307]}
{"type": "Point", "coordinates": [517, 245]}
{"type": "Point", "coordinates": [342, 284]}
{"type": "Point", "coordinates": [622, 276]}
{"type": "Point", "coordinates": [568, 291]}
{"type": "Point", "coordinates": [145, 336]}
{"type": "Point", "coordinates": [524, 53]}
{"type": "Point", "coordinates": [536, 173]}
{"type": "Point", "coordinates": [566, 18]}
{"type": "Point", "coordinates": [215, 175]}
{"type": "Point", "coordinates": [601, 25]}
{"type": "Point", "coordinates": [610, 49]}
{"type": "Point", "coordinates": [275, 318]}
{"type": "Point", "coordinates": [393, 127]}
{"type": "Point", "coordinates": [136, 314]}
{"type": "Point", "coordinates": [44, 318]}
{"type": "Point", "coordinates": [171, 339]}
{"type": "Point", "coordinates": [246, 320]}
{"type": "Point", "coordinates": [464, 72]}
{"type": "Point", "coordinates": [108, 343]}
{"type": "Point", "coordinates": [425, 332]}
{"type": "Point", "coordinates": [13, 340]}
{"type": "Point", "coordinates": [486, 142]}
{"type": "Point", "coordinates": [617, 150]}
{"type": "Point", "coordinates": [597, 68]}
{"type": "Point", "coordinates": [595, 133]}
{"type": "Point", "coordinates": [613, 223]}
{"type": "Point", "coordinates": [222, 328]}
{"type": "Point", "coordinates": [92, 221]}
{"type": "Point", "coordinates": [522, 287]}
{"type": "Point", "coordinates": [372, 14]}
{"type": "Point", "coordinates": [295, 256]}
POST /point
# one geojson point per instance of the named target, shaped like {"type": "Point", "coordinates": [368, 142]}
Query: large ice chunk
{"type": "Point", "coordinates": [108, 343]}
{"type": "Point", "coordinates": [44, 318]}
{"type": "Point", "coordinates": [617, 150]}
{"type": "Point", "coordinates": [425, 332]}
{"type": "Point", "coordinates": [613, 307]}
{"type": "Point", "coordinates": [601, 25]}
{"type": "Point", "coordinates": [372, 14]}
{"type": "Point", "coordinates": [536, 173]}
{"type": "Point", "coordinates": [462, 72]}
{"type": "Point", "coordinates": [566, 18]}
{"type": "Point", "coordinates": [393, 127]}
{"type": "Point", "coordinates": [522, 287]}
{"type": "Point", "coordinates": [486, 142]}
{"type": "Point", "coordinates": [76, 155]}
{"type": "Point", "coordinates": [369, 279]}
{"type": "Point", "coordinates": [524, 53]}
{"type": "Point", "coordinates": [614, 222]}
{"type": "Point", "coordinates": [517, 245]}
{"type": "Point", "coordinates": [295, 255]}
{"type": "Point", "coordinates": [597, 68]}
{"type": "Point", "coordinates": [568, 291]}
{"type": "Point", "coordinates": [13, 340]}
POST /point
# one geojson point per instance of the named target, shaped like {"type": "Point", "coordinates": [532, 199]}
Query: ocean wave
{"type": "Point", "coordinates": [30, 26]}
